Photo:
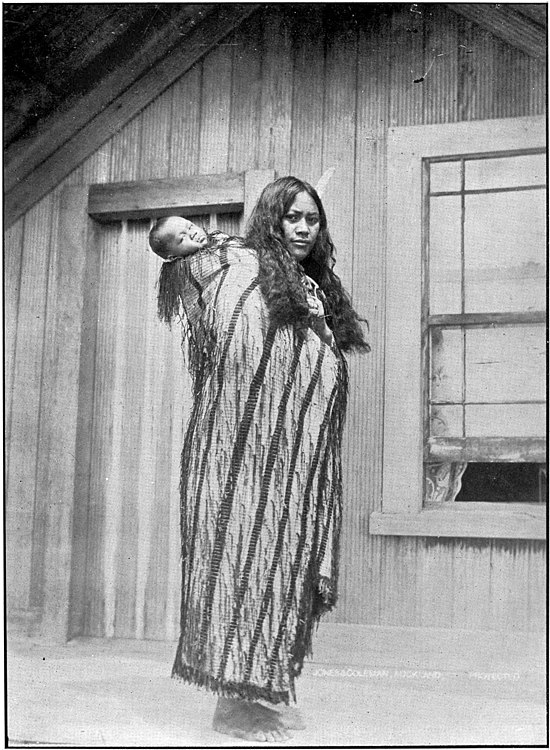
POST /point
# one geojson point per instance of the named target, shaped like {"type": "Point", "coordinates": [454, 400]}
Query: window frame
{"type": "Point", "coordinates": [403, 511]}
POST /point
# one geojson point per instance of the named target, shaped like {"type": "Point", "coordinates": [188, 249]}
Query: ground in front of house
{"type": "Point", "coordinates": [378, 686]}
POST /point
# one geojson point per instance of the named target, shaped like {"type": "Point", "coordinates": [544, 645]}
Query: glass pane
{"type": "Point", "coordinates": [446, 421]}
{"type": "Point", "coordinates": [447, 355]}
{"type": "Point", "coordinates": [444, 176]}
{"type": "Point", "coordinates": [506, 420]}
{"type": "Point", "coordinates": [506, 364]}
{"type": "Point", "coordinates": [445, 264]}
{"type": "Point", "coordinates": [504, 251]}
{"type": "Point", "coordinates": [505, 171]}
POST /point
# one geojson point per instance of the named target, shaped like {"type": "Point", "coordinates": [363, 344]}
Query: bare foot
{"type": "Point", "coordinates": [290, 716]}
{"type": "Point", "coordinates": [248, 720]}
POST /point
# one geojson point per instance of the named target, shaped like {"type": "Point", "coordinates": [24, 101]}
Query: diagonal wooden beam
{"type": "Point", "coordinates": [36, 175]}
{"type": "Point", "coordinates": [55, 130]}
{"type": "Point", "coordinates": [24, 156]}
{"type": "Point", "coordinates": [104, 37]}
{"type": "Point", "coordinates": [537, 12]}
{"type": "Point", "coordinates": [508, 24]}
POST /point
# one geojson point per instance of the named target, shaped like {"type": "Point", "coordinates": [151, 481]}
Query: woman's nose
{"type": "Point", "coordinates": [302, 227]}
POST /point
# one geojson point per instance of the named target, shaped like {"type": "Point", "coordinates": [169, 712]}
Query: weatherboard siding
{"type": "Point", "coordinates": [295, 91]}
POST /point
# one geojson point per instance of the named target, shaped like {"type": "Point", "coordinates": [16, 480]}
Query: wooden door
{"type": "Point", "coordinates": [126, 552]}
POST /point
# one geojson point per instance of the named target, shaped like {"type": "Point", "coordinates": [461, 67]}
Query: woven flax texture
{"type": "Point", "coordinates": [260, 483]}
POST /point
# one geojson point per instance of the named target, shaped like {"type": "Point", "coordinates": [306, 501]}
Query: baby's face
{"type": "Point", "coordinates": [180, 237]}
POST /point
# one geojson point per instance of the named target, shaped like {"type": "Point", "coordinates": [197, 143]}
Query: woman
{"type": "Point", "coordinates": [266, 320]}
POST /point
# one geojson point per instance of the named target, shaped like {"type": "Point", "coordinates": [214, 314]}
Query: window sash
{"type": "Point", "coordinates": [402, 508]}
{"type": "Point", "coordinates": [470, 448]}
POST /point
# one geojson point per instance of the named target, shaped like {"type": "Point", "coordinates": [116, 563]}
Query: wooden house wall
{"type": "Point", "coordinates": [297, 90]}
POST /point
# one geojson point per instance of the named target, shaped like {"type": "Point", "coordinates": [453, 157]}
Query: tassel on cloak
{"type": "Point", "coordinates": [260, 482]}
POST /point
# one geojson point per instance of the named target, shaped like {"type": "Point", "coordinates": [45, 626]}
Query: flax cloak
{"type": "Point", "coordinates": [260, 483]}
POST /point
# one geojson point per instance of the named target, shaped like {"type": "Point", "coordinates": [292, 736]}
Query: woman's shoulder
{"type": "Point", "coordinates": [222, 252]}
{"type": "Point", "coordinates": [230, 249]}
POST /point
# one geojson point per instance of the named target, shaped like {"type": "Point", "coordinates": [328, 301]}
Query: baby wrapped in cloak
{"type": "Point", "coordinates": [260, 470]}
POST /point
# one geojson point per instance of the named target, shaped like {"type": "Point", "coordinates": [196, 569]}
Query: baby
{"type": "Point", "coordinates": [175, 237]}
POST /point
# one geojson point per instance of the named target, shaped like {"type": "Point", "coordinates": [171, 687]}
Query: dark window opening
{"type": "Point", "coordinates": [504, 483]}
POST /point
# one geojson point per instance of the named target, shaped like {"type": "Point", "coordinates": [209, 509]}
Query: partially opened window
{"type": "Point", "coordinates": [465, 368]}
{"type": "Point", "coordinates": [484, 233]}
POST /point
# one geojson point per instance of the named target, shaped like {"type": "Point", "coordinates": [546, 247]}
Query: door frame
{"type": "Point", "coordinates": [82, 209]}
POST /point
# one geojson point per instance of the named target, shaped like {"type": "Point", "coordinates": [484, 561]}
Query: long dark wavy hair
{"type": "Point", "coordinates": [280, 275]}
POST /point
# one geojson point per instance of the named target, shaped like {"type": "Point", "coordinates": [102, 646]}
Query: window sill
{"type": "Point", "coordinates": [482, 520]}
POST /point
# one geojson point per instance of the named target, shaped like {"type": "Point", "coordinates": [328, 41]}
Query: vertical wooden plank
{"type": "Point", "coordinates": [508, 595]}
{"type": "Point", "coordinates": [276, 91]}
{"type": "Point", "coordinates": [53, 297]}
{"type": "Point", "coordinates": [407, 65]}
{"type": "Point", "coordinates": [96, 168]}
{"type": "Point", "coordinates": [476, 72]}
{"type": "Point", "coordinates": [83, 489]}
{"type": "Point", "coordinates": [125, 148]}
{"type": "Point", "coordinates": [101, 434]}
{"type": "Point", "coordinates": [181, 403]}
{"type": "Point", "coordinates": [155, 138]}
{"type": "Point", "coordinates": [537, 586]}
{"type": "Point", "coordinates": [306, 157]}
{"type": "Point", "coordinates": [23, 447]}
{"type": "Point", "coordinates": [173, 592]}
{"type": "Point", "coordinates": [215, 110]}
{"type": "Point", "coordinates": [59, 434]}
{"type": "Point", "coordinates": [74, 178]}
{"type": "Point", "coordinates": [154, 473]}
{"type": "Point", "coordinates": [511, 89]}
{"type": "Point", "coordinates": [245, 96]}
{"type": "Point", "coordinates": [13, 254]}
{"type": "Point", "coordinates": [147, 501]}
{"type": "Point", "coordinates": [471, 575]}
{"type": "Point", "coordinates": [185, 124]}
{"type": "Point", "coordinates": [519, 603]}
{"type": "Point", "coordinates": [339, 134]}
{"type": "Point", "coordinates": [254, 182]}
{"type": "Point", "coordinates": [163, 483]}
{"type": "Point", "coordinates": [362, 454]}
{"type": "Point", "coordinates": [399, 602]}
{"type": "Point", "coordinates": [135, 352]}
{"type": "Point", "coordinates": [436, 583]}
{"type": "Point", "coordinates": [537, 87]}
{"type": "Point", "coordinates": [440, 80]}
{"type": "Point", "coordinates": [113, 481]}
{"type": "Point", "coordinates": [230, 223]}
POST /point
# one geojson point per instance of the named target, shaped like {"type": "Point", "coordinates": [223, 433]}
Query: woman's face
{"type": "Point", "coordinates": [301, 225]}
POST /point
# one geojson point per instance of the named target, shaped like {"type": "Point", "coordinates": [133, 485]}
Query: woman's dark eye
{"type": "Point", "coordinates": [292, 218]}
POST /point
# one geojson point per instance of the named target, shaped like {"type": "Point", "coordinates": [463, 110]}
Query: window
{"type": "Point", "coordinates": [484, 287]}
{"type": "Point", "coordinates": [464, 420]}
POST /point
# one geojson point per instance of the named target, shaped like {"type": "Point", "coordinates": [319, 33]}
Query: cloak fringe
{"type": "Point", "coordinates": [223, 688]}
{"type": "Point", "coordinates": [319, 593]}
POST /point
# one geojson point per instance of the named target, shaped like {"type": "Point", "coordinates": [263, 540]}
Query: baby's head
{"type": "Point", "coordinates": [176, 237]}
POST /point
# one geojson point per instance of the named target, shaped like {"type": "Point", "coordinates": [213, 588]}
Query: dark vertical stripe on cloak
{"type": "Point", "coordinates": [231, 482]}
{"type": "Point", "coordinates": [205, 455]}
{"type": "Point", "coordinates": [184, 470]}
{"type": "Point", "coordinates": [225, 270]}
{"type": "Point", "coordinates": [301, 542]}
{"type": "Point", "coordinates": [311, 600]}
{"type": "Point", "coordinates": [284, 517]}
{"type": "Point", "coordinates": [198, 287]}
{"type": "Point", "coordinates": [260, 510]}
